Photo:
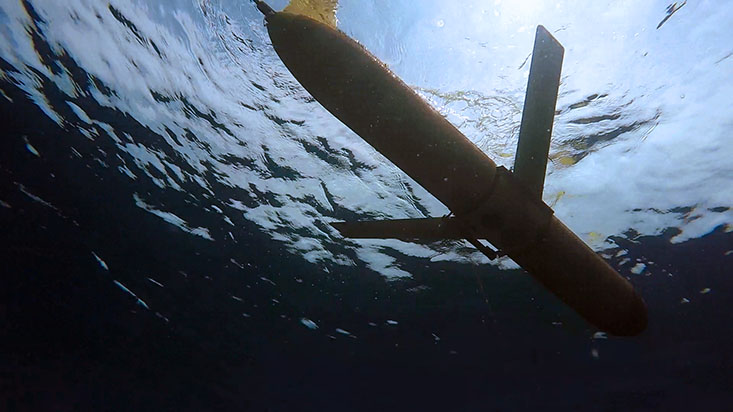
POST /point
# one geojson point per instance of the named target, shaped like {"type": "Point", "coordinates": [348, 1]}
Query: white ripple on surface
{"type": "Point", "coordinates": [173, 219]}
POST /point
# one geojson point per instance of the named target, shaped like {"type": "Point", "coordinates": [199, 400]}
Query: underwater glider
{"type": "Point", "coordinates": [487, 202]}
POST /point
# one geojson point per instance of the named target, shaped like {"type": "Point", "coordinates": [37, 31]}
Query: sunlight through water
{"type": "Point", "coordinates": [639, 143]}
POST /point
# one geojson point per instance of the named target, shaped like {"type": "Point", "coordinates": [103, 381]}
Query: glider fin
{"type": "Point", "coordinates": [530, 162]}
{"type": "Point", "coordinates": [430, 229]}
{"type": "Point", "coordinates": [426, 229]}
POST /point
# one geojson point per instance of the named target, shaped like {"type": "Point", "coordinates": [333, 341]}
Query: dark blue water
{"type": "Point", "coordinates": [175, 321]}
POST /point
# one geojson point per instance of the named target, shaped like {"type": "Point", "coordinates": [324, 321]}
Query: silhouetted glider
{"type": "Point", "coordinates": [487, 202]}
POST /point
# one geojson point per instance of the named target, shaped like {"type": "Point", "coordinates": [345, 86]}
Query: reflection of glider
{"type": "Point", "coordinates": [487, 202]}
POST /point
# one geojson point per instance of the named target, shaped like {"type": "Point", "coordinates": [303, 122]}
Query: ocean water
{"type": "Point", "coordinates": [166, 187]}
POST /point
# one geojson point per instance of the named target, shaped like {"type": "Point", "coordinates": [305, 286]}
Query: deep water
{"type": "Point", "coordinates": [74, 341]}
{"type": "Point", "coordinates": [122, 293]}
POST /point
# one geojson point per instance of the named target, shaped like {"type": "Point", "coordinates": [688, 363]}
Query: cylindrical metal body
{"type": "Point", "coordinates": [361, 92]}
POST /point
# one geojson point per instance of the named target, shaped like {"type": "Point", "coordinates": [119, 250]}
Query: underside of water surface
{"type": "Point", "coordinates": [167, 189]}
